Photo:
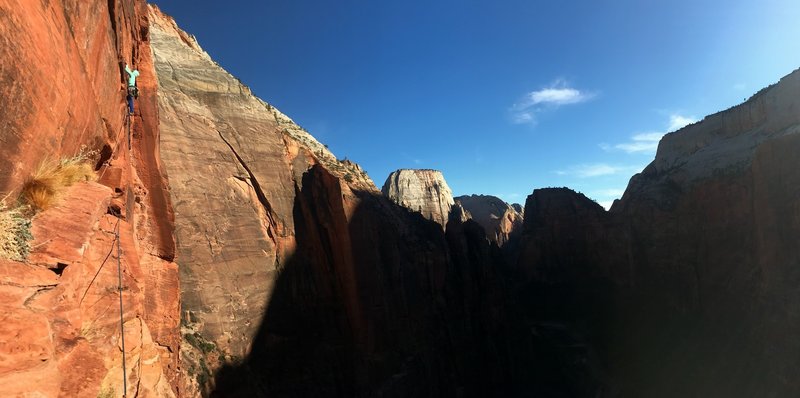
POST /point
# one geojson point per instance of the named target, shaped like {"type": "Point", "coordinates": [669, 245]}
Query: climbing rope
{"type": "Point", "coordinates": [99, 269]}
{"type": "Point", "coordinates": [121, 312]}
{"type": "Point", "coordinates": [107, 163]}
{"type": "Point", "coordinates": [119, 259]}
{"type": "Point", "coordinates": [121, 308]}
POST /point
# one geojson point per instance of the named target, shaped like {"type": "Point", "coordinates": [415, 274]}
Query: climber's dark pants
{"type": "Point", "coordinates": [133, 93]}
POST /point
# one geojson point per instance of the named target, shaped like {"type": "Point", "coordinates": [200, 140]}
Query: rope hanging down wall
{"type": "Point", "coordinates": [121, 312]}
{"type": "Point", "coordinates": [116, 243]}
{"type": "Point", "coordinates": [127, 126]}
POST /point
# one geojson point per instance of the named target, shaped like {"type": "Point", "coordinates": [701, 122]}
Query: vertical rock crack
{"type": "Point", "coordinates": [259, 193]}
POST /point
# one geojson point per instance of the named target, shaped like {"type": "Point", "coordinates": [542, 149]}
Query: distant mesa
{"type": "Point", "coordinates": [425, 191]}
{"type": "Point", "coordinates": [500, 220]}
{"type": "Point", "coordinates": [421, 190]}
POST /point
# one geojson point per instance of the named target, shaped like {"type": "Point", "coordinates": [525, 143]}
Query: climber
{"type": "Point", "coordinates": [133, 91]}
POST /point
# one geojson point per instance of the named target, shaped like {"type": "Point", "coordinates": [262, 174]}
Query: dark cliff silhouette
{"type": "Point", "coordinates": [400, 308]}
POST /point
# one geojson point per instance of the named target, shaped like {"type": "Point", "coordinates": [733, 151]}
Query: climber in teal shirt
{"type": "Point", "coordinates": [133, 91]}
{"type": "Point", "coordinates": [132, 74]}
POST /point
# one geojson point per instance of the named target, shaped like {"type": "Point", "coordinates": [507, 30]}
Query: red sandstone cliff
{"type": "Point", "coordinates": [63, 88]}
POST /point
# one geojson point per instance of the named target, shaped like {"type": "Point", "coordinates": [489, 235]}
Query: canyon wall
{"type": "Point", "coordinates": [235, 164]}
{"type": "Point", "coordinates": [693, 267]}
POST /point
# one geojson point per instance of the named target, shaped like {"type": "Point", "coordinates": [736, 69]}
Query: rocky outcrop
{"type": "Point", "coordinates": [501, 221]}
{"type": "Point", "coordinates": [60, 68]}
{"type": "Point", "coordinates": [564, 236]}
{"type": "Point", "coordinates": [62, 307]}
{"type": "Point", "coordinates": [422, 191]}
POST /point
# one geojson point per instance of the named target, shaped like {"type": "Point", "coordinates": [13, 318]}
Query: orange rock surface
{"type": "Point", "coordinates": [61, 321]}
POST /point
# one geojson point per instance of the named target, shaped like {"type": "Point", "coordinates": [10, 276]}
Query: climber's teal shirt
{"type": "Point", "coordinates": [131, 76]}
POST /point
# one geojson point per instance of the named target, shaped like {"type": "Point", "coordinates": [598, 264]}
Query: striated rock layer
{"type": "Point", "coordinates": [423, 191]}
{"type": "Point", "coordinates": [61, 74]}
{"type": "Point", "coordinates": [235, 166]}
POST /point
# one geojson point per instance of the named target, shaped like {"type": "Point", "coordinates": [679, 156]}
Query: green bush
{"type": "Point", "coordinates": [196, 340]}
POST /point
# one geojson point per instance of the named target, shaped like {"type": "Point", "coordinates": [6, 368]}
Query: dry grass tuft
{"type": "Point", "coordinates": [107, 392]}
{"type": "Point", "coordinates": [39, 192]}
{"type": "Point", "coordinates": [51, 178]}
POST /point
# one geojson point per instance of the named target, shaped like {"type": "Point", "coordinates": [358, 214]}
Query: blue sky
{"type": "Point", "coordinates": [501, 96]}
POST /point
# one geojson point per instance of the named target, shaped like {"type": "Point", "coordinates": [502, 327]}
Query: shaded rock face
{"type": "Point", "coordinates": [423, 191]}
{"type": "Point", "coordinates": [378, 301]}
{"type": "Point", "coordinates": [563, 234]}
{"type": "Point", "coordinates": [696, 259]}
{"type": "Point", "coordinates": [63, 88]}
{"type": "Point", "coordinates": [501, 221]}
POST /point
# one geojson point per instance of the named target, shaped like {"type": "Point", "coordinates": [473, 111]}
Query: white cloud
{"type": "Point", "coordinates": [677, 122]}
{"type": "Point", "coordinates": [647, 143]}
{"type": "Point", "coordinates": [523, 118]}
{"type": "Point", "coordinates": [641, 143]}
{"type": "Point", "coordinates": [556, 95]}
{"type": "Point", "coordinates": [739, 86]}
